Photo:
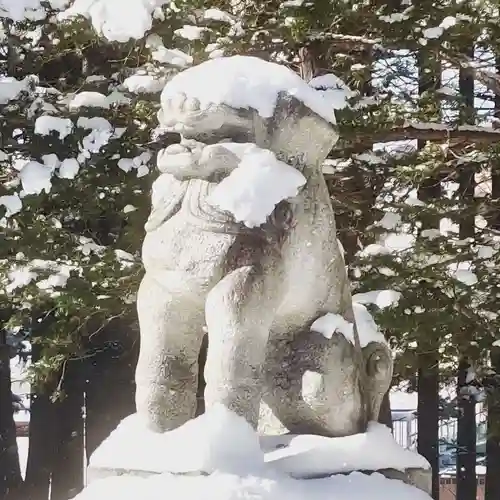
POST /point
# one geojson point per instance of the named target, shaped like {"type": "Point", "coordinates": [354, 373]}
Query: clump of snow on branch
{"type": "Point", "coordinates": [46, 124]}
{"type": "Point", "coordinates": [161, 54]}
{"type": "Point", "coordinates": [10, 87]}
{"type": "Point", "coordinates": [12, 204]}
{"type": "Point", "coordinates": [21, 275]}
{"type": "Point", "coordinates": [335, 91]}
{"type": "Point", "coordinates": [36, 178]}
{"type": "Point", "coordinates": [90, 100]}
{"type": "Point", "coordinates": [110, 19]}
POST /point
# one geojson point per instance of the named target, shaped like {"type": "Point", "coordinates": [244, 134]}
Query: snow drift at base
{"type": "Point", "coordinates": [227, 486]}
{"type": "Point", "coordinates": [219, 455]}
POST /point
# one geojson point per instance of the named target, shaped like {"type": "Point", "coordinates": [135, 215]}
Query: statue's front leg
{"type": "Point", "coordinates": [239, 312]}
{"type": "Point", "coordinates": [171, 320]}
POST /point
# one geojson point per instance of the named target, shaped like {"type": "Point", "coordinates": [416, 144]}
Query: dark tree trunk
{"type": "Point", "coordinates": [466, 438]}
{"type": "Point", "coordinates": [385, 416]}
{"type": "Point", "coordinates": [10, 472]}
{"type": "Point", "coordinates": [67, 473]}
{"type": "Point", "coordinates": [428, 345]}
{"type": "Point", "coordinates": [110, 382]}
{"type": "Point", "coordinates": [428, 413]}
{"type": "Point", "coordinates": [466, 424]}
{"type": "Point", "coordinates": [493, 440]}
{"type": "Point", "coordinates": [41, 442]}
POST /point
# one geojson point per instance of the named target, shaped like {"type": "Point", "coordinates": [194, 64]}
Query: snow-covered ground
{"type": "Point", "coordinates": [21, 387]}
{"type": "Point", "coordinates": [22, 448]}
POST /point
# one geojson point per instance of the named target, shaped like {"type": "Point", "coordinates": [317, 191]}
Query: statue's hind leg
{"type": "Point", "coordinates": [171, 323]}
{"type": "Point", "coordinates": [311, 384]}
{"type": "Point", "coordinates": [239, 312]}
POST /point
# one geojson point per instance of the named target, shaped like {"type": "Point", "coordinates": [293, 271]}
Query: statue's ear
{"type": "Point", "coordinates": [294, 129]}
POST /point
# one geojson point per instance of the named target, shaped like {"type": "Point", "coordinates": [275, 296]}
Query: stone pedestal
{"type": "Point", "coordinates": [221, 447]}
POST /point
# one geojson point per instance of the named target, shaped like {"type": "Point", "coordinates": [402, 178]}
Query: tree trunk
{"type": "Point", "coordinates": [10, 471]}
{"type": "Point", "coordinates": [466, 424]}
{"type": "Point", "coordinates": [41, 443]}
{"type": "Point", "coordinates": [428, 412]}
{"type": "Point", "coordinates": [110, 382]}
{"type": "Point", "coordinates": [67, 473]}
{"type": "Point", "coordinates": [428, 345]}
{"type": "Point", "coordinates": [466, 438]}
{"type": "Point", "coordinates": [493, 440]}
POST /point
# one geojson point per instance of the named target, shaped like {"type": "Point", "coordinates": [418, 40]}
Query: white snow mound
{"type": "Point", "coordinates": [110, 18]}
{"type": "Point", "coordinates": [217, 440]}
{"type": "Point", "coordinates": [309, 456]}
{"type": "Point", "coordinates": [256, 186]}
{"type": "Point", "coordinates": [244, 82]}
{"type": "Point", "coordinates": [224, 486]}
{"type": "Point", "coordinates": [225, 446]}
{"type": "Point", "coordinates": [220, 440]}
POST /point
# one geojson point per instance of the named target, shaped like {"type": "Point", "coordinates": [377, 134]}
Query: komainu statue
{"type": "Point", "coordinates": [257, 289]}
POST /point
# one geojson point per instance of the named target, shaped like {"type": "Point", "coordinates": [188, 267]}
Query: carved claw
{"type": "Point", "coordinates": [179, 111]}
{"type": "Point", "coordinates": [192, 104]}
{"type": "Point", "coordinates": [193, 159]}
{"type": "Point", "coordinates": [185, 115]}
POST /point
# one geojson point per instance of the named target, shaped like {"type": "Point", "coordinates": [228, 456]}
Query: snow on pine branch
{"type": "Point", "coordinates": [111, 20]}
{"type": "Point", "coordinates": [35, 176]}
{"type": "Point", "coordinates": [49, 120]}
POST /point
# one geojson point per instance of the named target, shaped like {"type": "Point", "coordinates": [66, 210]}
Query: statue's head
{"type": "Point", "coordinates": [289, 126]}
{"type": "Point", "coordinates": [295, 130]}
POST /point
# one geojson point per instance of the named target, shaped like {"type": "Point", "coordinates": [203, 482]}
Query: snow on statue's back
{"type": "Point", "coordinates": [246, 82]}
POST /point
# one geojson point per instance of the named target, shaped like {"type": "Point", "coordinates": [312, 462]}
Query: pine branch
{"type": "Point", "coordinates": [436, 132]}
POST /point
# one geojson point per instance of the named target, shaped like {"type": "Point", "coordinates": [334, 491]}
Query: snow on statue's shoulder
{"type": "Point", "coordinates": [251, 192]}
{"type": "Point", "coordinates": [244, 82]}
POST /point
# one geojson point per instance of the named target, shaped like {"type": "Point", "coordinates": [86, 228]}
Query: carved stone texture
{"type": "Point", "coordinates": [256, 290]}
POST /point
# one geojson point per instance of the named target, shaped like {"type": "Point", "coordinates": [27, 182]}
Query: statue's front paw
{"type": "Point", "coordinates": [192, 159]}
{"type": "Point", "coordinates": [185, 115]}
{"type": "Point", "coordinates": [180, 160]}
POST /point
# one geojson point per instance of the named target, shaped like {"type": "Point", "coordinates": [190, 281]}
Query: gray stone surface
{"type": "Point", "coordinates": [257, 291]}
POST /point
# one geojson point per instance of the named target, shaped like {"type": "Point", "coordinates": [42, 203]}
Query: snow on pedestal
{"type": "Point", "coordinates": [218, 454]}
{"type": "Point", "coordinates": [215, 440]}
{"type": "Point", "coordinates": [307, 456]}
{"type": "Point", "coordinates": [270, 486]}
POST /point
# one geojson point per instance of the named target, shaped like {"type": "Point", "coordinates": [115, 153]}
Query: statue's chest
{"type": "Point", "coordinates": [179, 245]}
